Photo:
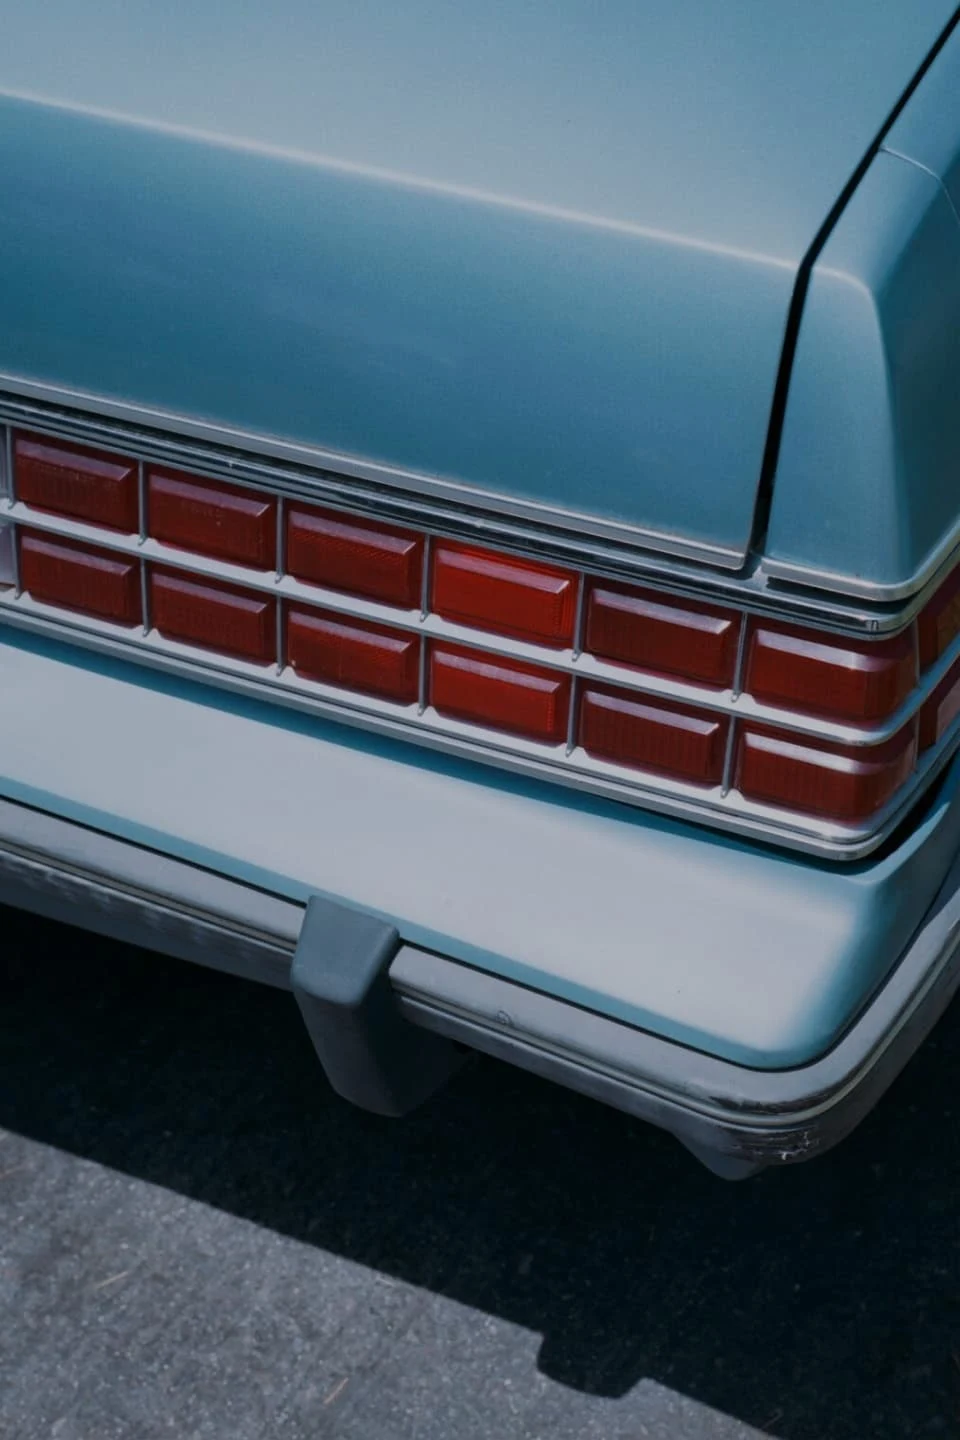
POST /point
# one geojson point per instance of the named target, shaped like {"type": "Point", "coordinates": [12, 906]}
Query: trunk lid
{"type": "Point", "coordinates": [542, 253]}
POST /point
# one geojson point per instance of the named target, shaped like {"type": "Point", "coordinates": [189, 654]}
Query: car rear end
{"type": "Point", "coordinates": [437, 618]}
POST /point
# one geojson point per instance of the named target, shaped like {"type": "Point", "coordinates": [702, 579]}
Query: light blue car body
{"type": "Point", "coordinates": [550, 258]}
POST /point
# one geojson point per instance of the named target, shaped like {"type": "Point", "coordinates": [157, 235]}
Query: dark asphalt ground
{"type": "Point", "coordinates": [197, 1239]}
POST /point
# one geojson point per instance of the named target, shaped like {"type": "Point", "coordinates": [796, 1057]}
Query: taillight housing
{"type": "Point", "coordinates": [724, 711]}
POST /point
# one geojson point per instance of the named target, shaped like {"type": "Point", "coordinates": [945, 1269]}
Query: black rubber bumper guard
{"type": "Point", "coordinates": [340, 976]}
{"type": "Point", "coordinates": [391, 1022]}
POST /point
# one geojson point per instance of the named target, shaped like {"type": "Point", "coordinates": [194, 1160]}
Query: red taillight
{"type": "Point", "coordinates": [341, 651]}
{"type": "Point", "coordinates": [826, 675]}
{"type": "Point", "coordinates": [214, 616]}
{"type": "Point", "coordinates": [83, 484]}
{"type": "Point", "coordinates": [631, 730]}
{"type": "Point", "coordinates": [354, 556]}
{"type": "Point", "coordinates": [505, 596]}
{"type": "Point", "coordinates": [845, 784]}
{"type": "Point", "coordinates": [57, 572]}
{"type": "Point", "coordinates": [627, 690]}
{"type": "Point", "coordinates": [212, 519]}
{"type": "Point", "coordinates": [942, 708]}
{"type": "Point", "coordinates": [939, 621]}
{"type": "Point", "coordinates": [499, 693]}
{"type": "Point", "coordinates": [654, 632]}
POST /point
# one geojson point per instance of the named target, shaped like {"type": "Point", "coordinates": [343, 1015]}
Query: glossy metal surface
{"type": "Point", "coordinates": [928, 131]}
{"type": "Point", "coordinates": [867, 488]}
{"type": "Point", "coordinates": [538, 257]}
{"type": "Point", "coordinates": [740, 951]}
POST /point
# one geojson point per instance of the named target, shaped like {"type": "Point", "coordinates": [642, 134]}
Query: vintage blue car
{"type": "Point", "coordinates": [479, 530]}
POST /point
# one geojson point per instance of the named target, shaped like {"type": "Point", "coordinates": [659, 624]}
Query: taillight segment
{"type": "Point", "coordinates": [829, 675]}
{"type": "Point", "coordinates": [840, 783]}
{"type": "Point", "coordinates": [213, 616]}
{"type": "Point", "coordinates": [338, 650]}
{"type": "Point", "coordinates": [659, 633]}
{"type": "Point", "coordinates": [342, 552]}
{"type": "Point", "coordinates": [84, 484]}
{"type": "Point", "coordinates": [502, 595]}
{"type": "Point", "coordinates": [630, 729]}
{"type": "Point", "coordinates": [939, 622]}
{"type": "Point", "coordinates": [942, 708]}
{"type": "Point", "coordinates": [752, 720]}
{"type": "Point", "coordinates": [92, 582]}
{"type": "Point", "coordinates": [501, 694]}
{"type": "Point", "coordinates": [212, 519]}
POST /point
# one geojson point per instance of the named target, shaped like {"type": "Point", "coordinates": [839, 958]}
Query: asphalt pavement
{"type": "Point", "coordinates": [198, 1239]}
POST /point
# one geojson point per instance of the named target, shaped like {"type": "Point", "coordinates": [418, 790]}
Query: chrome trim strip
{"type": "Point", "coordinates": [580, 618]}
{"type": "Point", "coordinates": [588, 667]}
{"type": "Point", "coordinates": [443, 489]}
{"type": "Point", "coordinates": [281, 557]}
{"type": "Point", "coordinates": [425, 577]}
{"type": "Point", "coordinates": [278, 576]}
{"type": "Point", "coordinates": [735, 695]}
{"type": "Point", "coordinates": [431, 506]}
{"type": "Point", "coordinates": [142, 500]}
{"type": "Point", "coordinates": [741, 660]}
{"type": "Point", "coordinates": [572, 716]}
{"type": "Point", "coordinates": [142, 536]}
{"type": "Point", "coordinates": [144, 598]}
{"type": "Point", "coordinates": [579, 629]}
{"type": "Point", "coordinates": [731, 813]}
{"type": "Point", "coordinates": [423, 677]}
{"type": "Point", "coordinates": [6, 463]}
{"type": "Point", "coordinates": [6, 502]}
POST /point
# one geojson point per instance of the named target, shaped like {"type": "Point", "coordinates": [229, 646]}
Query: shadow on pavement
{"type": "Point", "coordinates": [819, 1301]}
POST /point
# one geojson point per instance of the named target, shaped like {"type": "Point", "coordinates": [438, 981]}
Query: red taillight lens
{"type": "Point", "coordinates": [489, 691]}
{"type": "Point", "coordinates": [631, 730]}
{"type": "Point", "coordinates": [347, 652]}
{"type": "Point", "coordinates": [654, 632]}
{"type": "Point", "coordinates": [748, 725]}
{"type": "Point", "coordinates": [57, 572]}
{"type": "Point", "coordinates": [837, 783]}
{"type": "Point", "coordinates": [213, 616]}
{"type": "Point", "coordinates": [503, 595]}
{"type": "Point", "coordinates": [939, 621]}
{"type": "Point", "coordinates": [212, 519]}
{"type": "Point", "coordinates": [942, 708]}
{"type": "Point", "coordinates": [354, 556]}
{"type": "Point", "coordinates": [71, 480]}
{"type": "Point", "coordinates": [807, 671]}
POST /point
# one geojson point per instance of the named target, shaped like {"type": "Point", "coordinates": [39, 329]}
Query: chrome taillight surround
{"type": "Point", "coordinates": [720, 804]}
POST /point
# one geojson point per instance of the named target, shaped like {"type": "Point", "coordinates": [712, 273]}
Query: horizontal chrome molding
{"type": "Point", "coordinates": [730, 812]}
{"type": "Point", "coordinates": [425, 485]}
{"type": "Point", "coordinates": [574, 662]}
{"type": "Point", "coordinates": [445, 508]}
